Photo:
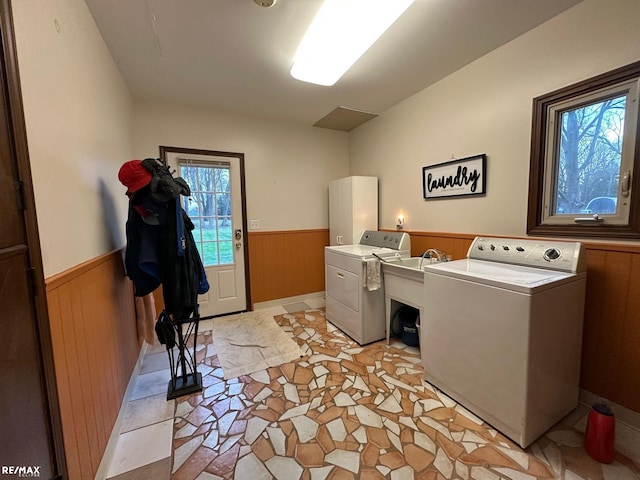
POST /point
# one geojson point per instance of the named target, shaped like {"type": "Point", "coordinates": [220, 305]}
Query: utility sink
{"type": "Point", "coordinates": [411, 262]}
{"type": "Point", "coordinates": [403, 268]}
{"type": "Point", "coordinates": [403, 284]}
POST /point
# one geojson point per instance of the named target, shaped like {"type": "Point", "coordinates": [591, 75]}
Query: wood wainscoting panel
{"type": "Point", "coordinates": [95, 349]}
{"type": "Point", "coordinates": [286, 263]}
{"type": "Point", "coordinates": [454, 244]}
{"type": "Point", "coordinates": [611, 340]}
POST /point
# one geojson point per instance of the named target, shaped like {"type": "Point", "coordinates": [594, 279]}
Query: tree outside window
{"type": "Point", "coordinates": [209, 207]}
{"type": "Point", "coordinates": [590, 155]}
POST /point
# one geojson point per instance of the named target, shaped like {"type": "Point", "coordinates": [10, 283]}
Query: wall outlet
{"type": "Point", "coordinates": [254, 224]}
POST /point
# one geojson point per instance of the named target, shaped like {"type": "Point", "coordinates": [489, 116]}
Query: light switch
{"type": "Point", "coordinates": [254, 224]}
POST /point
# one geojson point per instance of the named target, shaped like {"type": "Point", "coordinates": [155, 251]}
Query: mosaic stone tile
{"type": "Point", "coordinates": [347, 411]}
{"type": "Point", "coordinates": [284, 468]}
{"type": "Point", "coordinates": [251, 467]}
{"type": "Point", "coordinates": [194, 464]}
{"type": "Point", "coordinates": [184, 452]}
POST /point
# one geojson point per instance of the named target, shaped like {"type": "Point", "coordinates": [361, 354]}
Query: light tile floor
{"type": "Point", "coordinates": [341, 412]}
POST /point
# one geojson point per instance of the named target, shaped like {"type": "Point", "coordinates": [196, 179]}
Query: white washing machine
{"type": "Point", "coordinates": [501, 332]}
{"type": "Point", "coordinates": [352, 303]}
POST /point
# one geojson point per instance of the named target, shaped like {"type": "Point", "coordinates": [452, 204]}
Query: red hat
{"type": "Point", "coordinates": [134, 175]}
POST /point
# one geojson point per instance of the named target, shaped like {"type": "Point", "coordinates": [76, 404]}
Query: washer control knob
{"type": "Point", "coordinates": [493, 247]}
{"type": "Point", "coordinates": [520, 249]}
{"type": "Point", "coordinates": [480, 247]}
{"type": "Point", "coordinates": [551, 254]}
{"type": "Point", "coordinates": [505, 248]}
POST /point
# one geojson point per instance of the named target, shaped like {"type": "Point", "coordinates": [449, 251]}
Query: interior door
{"type": "Point", "coordinates": [216, 207]}
{"type": "Point", "coordinates": [27, 438]}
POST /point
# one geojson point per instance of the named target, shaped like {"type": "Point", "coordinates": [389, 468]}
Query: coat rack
{"type": "Point", "coordinates": [183, 359]}
{"type": "Point", "coordinates": [161, 251]}
{"type": "Point", "coordinates": [185, 378]}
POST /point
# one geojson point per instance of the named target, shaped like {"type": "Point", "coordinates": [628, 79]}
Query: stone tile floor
{"type": "Point", "coordinates": [348, 412]}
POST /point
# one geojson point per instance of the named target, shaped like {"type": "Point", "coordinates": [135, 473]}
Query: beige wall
{"type": "Point", "coordinates": [287, 167]}
{"type": "Point", "coordinates": [78, 120]}
{"type": "Point", "coordinates": [81, 128]}
{"type": "Point", "coordinates": [486, 108]}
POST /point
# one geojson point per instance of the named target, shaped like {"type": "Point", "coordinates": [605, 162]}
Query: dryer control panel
{"type": "Point", "coordinates": [393, 240]}
{"type": "Point", "coordinates": [553, 255]}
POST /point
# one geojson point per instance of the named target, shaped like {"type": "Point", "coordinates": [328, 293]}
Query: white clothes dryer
{"type": "Point", "coordinates": [352, 304]}
{"type": "Point", "coordinates": [501, 332]}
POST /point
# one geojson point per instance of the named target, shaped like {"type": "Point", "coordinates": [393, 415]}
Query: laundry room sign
{"type": "Point", "coordinates": [465, 176]}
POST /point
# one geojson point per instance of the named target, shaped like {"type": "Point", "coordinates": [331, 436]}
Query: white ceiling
{"type": "Point", "coordinates": [234, 55]}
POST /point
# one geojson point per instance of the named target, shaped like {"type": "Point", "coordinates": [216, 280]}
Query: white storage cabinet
{"type": "Point", "coordinates": [353, 208]}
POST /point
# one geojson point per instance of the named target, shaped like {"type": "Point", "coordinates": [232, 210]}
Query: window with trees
{"type": "Point", "coordinates": [584, 148]}
{"type": "Point", "coordinates": [209, 207]}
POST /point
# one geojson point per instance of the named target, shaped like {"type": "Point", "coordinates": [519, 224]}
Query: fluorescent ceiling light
{"type": "Point", "coordinates": [339, 34]}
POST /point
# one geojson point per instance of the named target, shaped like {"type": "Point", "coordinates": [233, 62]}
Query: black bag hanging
{"type": "Point", "coordinates": [165, 331]}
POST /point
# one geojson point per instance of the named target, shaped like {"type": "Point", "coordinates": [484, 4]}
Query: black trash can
{"type": "Point", "coordinates": [407, 318]}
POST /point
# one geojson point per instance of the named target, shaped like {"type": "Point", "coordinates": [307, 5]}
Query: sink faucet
{"type": "Point", "coordinates": [439, 254]}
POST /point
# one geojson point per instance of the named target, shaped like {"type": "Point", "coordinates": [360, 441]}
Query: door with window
{"type": "Point", "coordinates": [216, 208]}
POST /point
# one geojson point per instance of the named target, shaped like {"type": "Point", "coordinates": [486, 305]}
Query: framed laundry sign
{"type": "Point", "coordinates": [465, 176]}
